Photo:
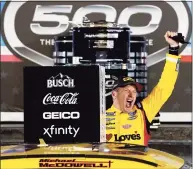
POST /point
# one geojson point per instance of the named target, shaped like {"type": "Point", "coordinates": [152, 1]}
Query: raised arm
{"type": "Point", "coordinates": [163, 90]}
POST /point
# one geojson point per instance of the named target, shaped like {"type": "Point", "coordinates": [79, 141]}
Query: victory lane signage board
{"type": "Point", "coordinates": [64, 104]}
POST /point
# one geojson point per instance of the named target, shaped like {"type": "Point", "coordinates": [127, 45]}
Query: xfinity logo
{"type": "Point", "coordinates": [60, 80]}
{"type": "Point", "coordinates": [46, 20]}
{"type": "Point", "coordinates": [52, 130]}
{"type": "Point", "coordinates": [61, 115]}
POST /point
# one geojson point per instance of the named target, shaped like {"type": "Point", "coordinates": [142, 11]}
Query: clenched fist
{"type": "Point", "coordinates": [171, 42]}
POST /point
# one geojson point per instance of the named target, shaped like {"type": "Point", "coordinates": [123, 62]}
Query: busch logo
{"type": "Point", "coordinates": [60, 80]}
{"type": "Point", "coordinates": [67, 98]}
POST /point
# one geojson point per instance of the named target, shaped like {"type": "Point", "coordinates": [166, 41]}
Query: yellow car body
{"type": "Point", "coordinates": [101, 155]}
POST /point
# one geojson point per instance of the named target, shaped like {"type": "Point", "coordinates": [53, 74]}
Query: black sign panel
{"type": "Point", "coordinates": [62, 104]}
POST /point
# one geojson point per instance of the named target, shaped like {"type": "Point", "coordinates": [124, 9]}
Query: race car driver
{"type": "Point", "coordinates": [126, 119]}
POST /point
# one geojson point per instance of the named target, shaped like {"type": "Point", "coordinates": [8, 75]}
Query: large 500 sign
{"type": "Point", "coordinates": [51, 14]}
{"type": "Point", "coordinates": [24, 24]}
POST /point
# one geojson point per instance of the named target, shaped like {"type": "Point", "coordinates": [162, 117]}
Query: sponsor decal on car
{"type": "Point", "coordinates": [66, 163]}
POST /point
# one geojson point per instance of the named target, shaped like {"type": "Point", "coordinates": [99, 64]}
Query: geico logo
{"type": "Point", "coordinates": [127, 137]}
{"type": "Point", "coordinates": [60, 83]}
{"type": "Point", "coordinates": [61, 115]}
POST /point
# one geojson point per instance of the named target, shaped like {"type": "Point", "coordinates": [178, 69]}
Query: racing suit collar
{"type": "Point", "coordinates": [113, 108]}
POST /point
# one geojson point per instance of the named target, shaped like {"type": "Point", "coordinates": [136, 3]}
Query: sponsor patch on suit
{"type": "Point", "coordinates": [126, 126]}
{"type": "Point", "coordinates": [109, 123]}
{"type": "Point", "coordinates": [110, 128]}
{"type": "Point", "coordinates": [132, 115]}
{"type": "Point", "coordinates": [110, 113]}
{"type": "Point", "coordinates": [110, 119]}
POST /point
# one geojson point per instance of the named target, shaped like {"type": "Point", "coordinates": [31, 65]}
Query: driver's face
{"type": "Point", "coordinates": [126, 97]}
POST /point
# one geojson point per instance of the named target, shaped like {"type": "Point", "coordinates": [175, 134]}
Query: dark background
{"type": "Point", "coordinates": [88, 105]}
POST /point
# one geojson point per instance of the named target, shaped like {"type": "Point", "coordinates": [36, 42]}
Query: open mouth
{"type": "Point", "coordinates": [129, 103]}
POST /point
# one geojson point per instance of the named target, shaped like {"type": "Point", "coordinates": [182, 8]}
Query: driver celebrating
{"type": "Point", "coordinates": [126, 119]}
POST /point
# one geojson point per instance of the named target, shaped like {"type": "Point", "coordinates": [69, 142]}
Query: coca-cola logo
{"type": "Point", "coordinates": [66, 98]}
